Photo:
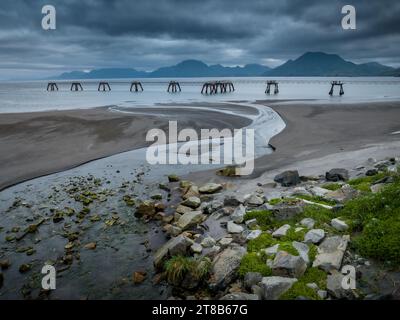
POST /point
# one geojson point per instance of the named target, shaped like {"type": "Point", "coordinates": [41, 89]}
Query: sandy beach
{"type": "Point", "coordinates": [318, 135]}
{"type": "Point", "coordinates": [41, 143]}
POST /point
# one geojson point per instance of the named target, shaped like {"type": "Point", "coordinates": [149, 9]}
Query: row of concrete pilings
{"type": "Point", "coordinates": [209, 87]}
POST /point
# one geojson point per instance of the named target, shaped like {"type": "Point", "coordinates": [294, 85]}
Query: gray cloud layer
{"type": "Point", "coordinates": [147, 34]}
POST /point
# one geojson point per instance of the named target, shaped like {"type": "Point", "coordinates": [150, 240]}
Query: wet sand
{"type": "Point", "coordinates": [317, 131]}
{"type": "Point", "coordinates": [41, 143]}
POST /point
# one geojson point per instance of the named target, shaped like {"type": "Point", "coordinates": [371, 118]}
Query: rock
{"type": "Point", "coordinates": [253, 234]}
{"type": "Point", "coordinates": [254, 200]}
{"type": "Point", "coordinates": [335, 288]}
{"type": "Point", "coordinates": [192, 202]}
{"type": "Point", "coordinates": [1, 279]}
{"type": "Point", "coordinates": [288, 178]}
{"type": "Point", "coordinates": [234, 228]}
{"type": "Point", "coordinates": [339, 224]}
{"type": "Point", "coordinates": [251, 223]}
{"type": "Point", "coordinates": [286, 212]}
{"type": "Point", "coordinates": [172, 231]}
{"type": "Point", "coordinates": [314, 236]}
{"type": "Point", "coordinates": [146, 208]}
{"type": "Point", "coordinates": [233, 200]}
{"type": "Point", "coordinates": [183, 209]}
{"type": "Point", "coordinates": [272, 250]}
{"type": "Point", "coordinates": [5, 264]}
{"type": "Point", "coordinates": [90, 246]}
{"type": "Point", "coordinates": [288, 265]}
{"type": "Point", "coordinates": [138, 277]}
{"type": "Point", "coordinates": [281, 232]}
{"type": "Point", "coordinates": [238, 214]}
{"type": "Point", "coordinates": [318, 191]}
{"type": "Point", "coordinates": [192, 191]}
{"type": "Point", "coordinates": [303, 250]}
{"type": "Point", "coordinates": [176, 246]}
{"type": "Point", "coordinates": [196, 248]}
{"type": "Point", "coordinates": [208, 242]}
{"type": "Point", "coordinates": [190, 219]}
{"type": "Point", "coordinates": [344, 194]}
{"type": "Point", "coordinates": [336, 175]}
{"type": "Point", "coordinates": [240, 296]}
{"type": "Point", "coordinates": [257, 290]}
{"type": "Point", "coordinates": [312, 285]}
{"type": "Point", "coordinates": [330, 253]}
{"type": "Point", "coordinates": [371, 172]}
{"type": "Point", "coordinates": [301, 191]}
{"type": "Point", "coordinates": [375, 188]}
{"type": "Point", "coordinates": [308, 223]}
{"type": "Point", "coordinates": [225, 266]}
{"type": "Point", "coordinates": [251, 279]}
{"type": "Point", "coordinates": [210, 188]}
{"type": "Point", "coordinates": [323, 294]}
{"type": "Point", "coordinates": [225, 241]}
{"type": "Point", "coordinates": [173, 178]}
{"type": "Point", "coordinates": [274, 287]}
{"type": "Point", "coordinates": [23, 268]}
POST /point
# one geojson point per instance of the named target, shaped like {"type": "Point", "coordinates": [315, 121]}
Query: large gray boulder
{"type": "Point", "coordinates": [176, 246]}
{"type": "Point", "coordinates": [286, 212]}
{"type": "Point", "coordinates": [238, 215]}
{"type": "Point", "coordinates": [192, 202]}
{"type": "Point", "coordinates": [287, 265]}
{"type": "Point", "coordinates": [288, 178]}
{"type": "Point", "coordinates": [234, 228]}
{"type": "Point", "coordinates": [254, 200]}
{"type": "Point", "coordinates": [225, 266]}
{"type": "Point", "coordinates": [190, 219]}
{"type": "Point", "coordinates": [330, 253]}
{"type": "Point", "coordinates": [314, 236]}
{"type": "Point", "coordinates": [303, 250]}
{"type": "Point", "coordinates": [274, 287]}
{"type": "Point", "coordinates": [344, 194]}
{"type": "Point", "coordinates": [337, 174]}
{"type": "Point", "coordinates": [210, 188]}
{"type": "Point", "coordinates": [339, 225]}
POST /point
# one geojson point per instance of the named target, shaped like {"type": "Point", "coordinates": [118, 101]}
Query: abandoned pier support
{"type": "Point", "coordinates": [270, 84]}
{"type": "Point", "coordinates": [76, 86]}
{"type": "Point", "coordinates": [212, 87]}
{"type": "Point", "coordinates": [104, 86]}
{"type": "Point", "coordinates": [136, 86]}
{"type": "Point", "coordinates": [52, 86]}
{"type": "Point", "coordinates": [334, 84]}
{"type": "Point", "coordinates": [174, 86]}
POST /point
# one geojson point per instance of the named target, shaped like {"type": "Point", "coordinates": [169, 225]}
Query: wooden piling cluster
{"type": "Point", "coordinates": [137, 85]}
{"type": "Point", "coordinates": [212, 87]}
{"type": "Point", "coordinates": [104, 86]}
{"type": "Point", "coordinates": [174, 86]}
{"type": "Point", "coordinates": [52, 86]}
{"type": "Point", "coordinates": [76, 86]}
{"type": "Point", "coordinates": [334, 84]}
{"type": "Point", "coordinates": [270, 84]}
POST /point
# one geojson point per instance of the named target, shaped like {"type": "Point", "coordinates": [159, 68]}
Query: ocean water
{"type": "Point", "coordinates": [32, 96]}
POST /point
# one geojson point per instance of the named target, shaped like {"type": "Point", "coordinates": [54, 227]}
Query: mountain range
{"type": "Point", "coordinates": [310, 64]}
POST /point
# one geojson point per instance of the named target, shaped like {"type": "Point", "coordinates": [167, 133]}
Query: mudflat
{"type": "Point", "coordinates": [41, 143]}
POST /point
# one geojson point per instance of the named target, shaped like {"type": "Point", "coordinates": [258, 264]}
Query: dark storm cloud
{"type": "Point", "coordinates": [150, 33]}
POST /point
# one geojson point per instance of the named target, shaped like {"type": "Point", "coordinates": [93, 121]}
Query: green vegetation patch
{"type": "Point", "coordinates": [252, 262]}
{"type": "Point", "coordinates": [265, 219]}
{"type": "Point", "coordinates": [317, 199]}
{"type": "Point", "coordinates": [332, 186]}
{"type": "Point", "coordinates": [300, 289]}
{"type": "Point", "coordinates": [177, 267]}
{"type": "Point", "coordinates": [264, 241]}
{"type": "Point", "coordinates": [364, 183]}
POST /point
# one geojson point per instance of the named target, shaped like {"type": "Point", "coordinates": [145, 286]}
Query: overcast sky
{"type": "Point", "coordinates": [147, 34]}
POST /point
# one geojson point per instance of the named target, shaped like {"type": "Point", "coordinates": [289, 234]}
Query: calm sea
{"type": "Point", "coordinates": [32, 96]}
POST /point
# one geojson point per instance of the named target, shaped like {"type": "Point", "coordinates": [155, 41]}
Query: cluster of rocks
{"type": "Point", "coordinates": [192, 232]}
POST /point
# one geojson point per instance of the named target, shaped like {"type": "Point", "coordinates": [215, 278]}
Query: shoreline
{"type": "Point", "coordinates": [320, 131]}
